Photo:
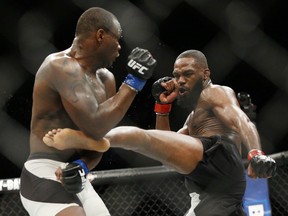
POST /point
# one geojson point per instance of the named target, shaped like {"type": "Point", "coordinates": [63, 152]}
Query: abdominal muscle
{"type": "Point", "coordinates": [212, 126]}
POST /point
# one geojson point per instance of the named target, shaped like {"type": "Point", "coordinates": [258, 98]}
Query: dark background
{"type": "Point", "coordinates": [245, 43]}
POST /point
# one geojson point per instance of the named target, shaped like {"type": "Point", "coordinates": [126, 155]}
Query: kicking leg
{"type": "Point", "coordinates": [181, 152]}
{"type": "Point", "coordinates": [178, 151]}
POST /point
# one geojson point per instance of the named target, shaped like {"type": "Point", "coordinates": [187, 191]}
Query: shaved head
{"type": "Point", "coordinates": [93, 19]}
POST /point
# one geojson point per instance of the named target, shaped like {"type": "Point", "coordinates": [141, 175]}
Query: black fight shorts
{"type": "Point", "coordinates": [218, 183]}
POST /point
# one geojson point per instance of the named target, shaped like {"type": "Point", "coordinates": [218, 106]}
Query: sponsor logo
{"type": "Point", "coordinates": [83, 177]}
{"type": "Point", "coordinates": [256, 210]}
{"type": "Point", "coordinates": [9, 184]}
{"type": "Point", "coordinates": [135, 65]}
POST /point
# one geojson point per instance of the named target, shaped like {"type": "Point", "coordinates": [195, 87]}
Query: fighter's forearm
{"type": "Point", "coordinates": [162, 122]}
{"type": "Point", "coordinates": [109, 113]}
{"type": "Point", "coordinates": [251, 138]}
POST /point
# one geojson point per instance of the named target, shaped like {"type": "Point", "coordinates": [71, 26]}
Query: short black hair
{"type": "Point", "coordinates": [93, 19]}
{"type": "Point", "coordinates": [197, 55]}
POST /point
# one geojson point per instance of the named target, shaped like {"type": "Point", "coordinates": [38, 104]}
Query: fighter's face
{"type": "Point", "coordinates": [189, 77]}
{"type": "Point", "coordinates": [112, 45]}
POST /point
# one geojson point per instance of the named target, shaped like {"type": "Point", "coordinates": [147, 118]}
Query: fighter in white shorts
{"type": "Point", "coordinates": [42, 194]}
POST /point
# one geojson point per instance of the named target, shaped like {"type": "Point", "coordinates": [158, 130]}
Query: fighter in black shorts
{"type": "Point", "coordinates": [206, 150]}
{"type": "Point", "coordinates": [218, 183]}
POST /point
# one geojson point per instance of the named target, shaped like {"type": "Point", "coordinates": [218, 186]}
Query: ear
{"type": "Point", "coordinates": [100, 35]}
{"type": "Point", "coordinates": [206, 73]}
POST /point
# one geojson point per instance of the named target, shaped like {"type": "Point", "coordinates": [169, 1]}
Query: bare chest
{"type": "Point", "coordinates": [203, 123]}
{"type": "Point", "coordinates": [198, 119]}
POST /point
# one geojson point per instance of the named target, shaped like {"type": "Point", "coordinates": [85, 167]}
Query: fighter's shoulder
{"type": "Point", "coordinates": [218, 94]}
{"type": "Point", "coordinates": [57, 65]}
{"type": "Point", "coordinates": [59, 60]}
{"type": "Point", "coordinates": [218, 89]}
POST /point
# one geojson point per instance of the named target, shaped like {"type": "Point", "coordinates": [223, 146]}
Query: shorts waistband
{"type": "Point", "coordinates": [44, 155]}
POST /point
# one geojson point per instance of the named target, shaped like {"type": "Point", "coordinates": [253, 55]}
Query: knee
{"type": "Point", "coordinates": [186, 168]}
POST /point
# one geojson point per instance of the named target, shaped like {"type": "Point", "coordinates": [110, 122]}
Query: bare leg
{"type": "Point", "coordinates": [72, 139]}
{"type": "Point", "coordinates": [70, 211]}
{"type": "Point", "coordinates": [178, 151]}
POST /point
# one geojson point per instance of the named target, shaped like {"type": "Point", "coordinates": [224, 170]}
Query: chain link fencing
{"type": "Point", "coordinates": [149, 191]}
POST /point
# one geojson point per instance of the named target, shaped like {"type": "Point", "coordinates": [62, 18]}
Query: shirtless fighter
{"type": "Point", "coordinates": [206, 150]}
{"type": "Point", "coordinates": [74, 89]}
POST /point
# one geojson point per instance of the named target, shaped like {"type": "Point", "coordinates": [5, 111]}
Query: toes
{"type": "Point", "coordinates": [47, 140]}
{"type": "Point", "coordinates": [54, 131]}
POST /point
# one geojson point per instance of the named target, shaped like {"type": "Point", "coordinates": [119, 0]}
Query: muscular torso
{"type": "Point", "coordinates": [48, 110]}
{"type": "Point", "coordinates": [203, 121]}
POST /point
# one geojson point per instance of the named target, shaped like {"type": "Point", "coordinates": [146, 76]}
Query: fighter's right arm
{"type": "Point", "coordinates": [164, 92]}
{"type": "Point", "coordinates": [96, 116]}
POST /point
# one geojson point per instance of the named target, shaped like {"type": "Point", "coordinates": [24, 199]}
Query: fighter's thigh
{"type": "Point", "coordinates": [36, 208]}
{"type": "Point", "coordinates": [184, 151]}
{"type": "Point", "coordinates": [92, 202]}
{"type": "Point", "coordinates": [72, 211]}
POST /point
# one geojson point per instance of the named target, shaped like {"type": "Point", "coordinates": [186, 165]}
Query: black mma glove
{"type": "Point", "coordinates": [140, 68]}
{"type": "Point", "coordinates": [74, 176]}
{"type": "Point", "coordinates": [262, 165]}
{"type": "Point", "coordinates": [157, 89]}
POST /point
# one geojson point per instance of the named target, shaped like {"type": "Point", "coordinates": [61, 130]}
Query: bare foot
{"type": "Point", "coordinates": [66, 138]}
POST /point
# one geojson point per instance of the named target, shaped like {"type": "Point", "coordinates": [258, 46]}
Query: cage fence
{"type": "Point", "coordinates": [149, 191]}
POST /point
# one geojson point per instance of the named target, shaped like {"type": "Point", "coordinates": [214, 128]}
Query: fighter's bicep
{"type": "Point", "coordinates": [225, 107]}
{"type": "Point", "coordinates": [110, 85]}
{"type": "Point", "coordinates": [75, 93]}
{"type": "Point", "coordinates": [231, 115]}
{"type": "Point", "coordinates": [79, 97]}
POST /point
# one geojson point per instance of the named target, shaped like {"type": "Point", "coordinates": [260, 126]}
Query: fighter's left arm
{"type": "Point", "coordinates": [226, 107]}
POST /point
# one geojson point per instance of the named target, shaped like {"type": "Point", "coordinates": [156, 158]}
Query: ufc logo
{"type": "Point", "coordinates": [134, 65]}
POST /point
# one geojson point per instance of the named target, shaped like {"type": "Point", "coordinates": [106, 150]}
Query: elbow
{"type": "Point", "coordinates": [94, 132]}
{"type": "Point", "coordinates": [185, 170]}
{"type": "Point", "coordinates": [102, 121]}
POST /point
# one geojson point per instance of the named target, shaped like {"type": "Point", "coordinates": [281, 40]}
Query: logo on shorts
{"type": "Point", "coordinates": [83, 177]}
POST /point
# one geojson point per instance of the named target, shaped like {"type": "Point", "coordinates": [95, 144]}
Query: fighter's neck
{"type": "Point", "coordinates": [207, 83]}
